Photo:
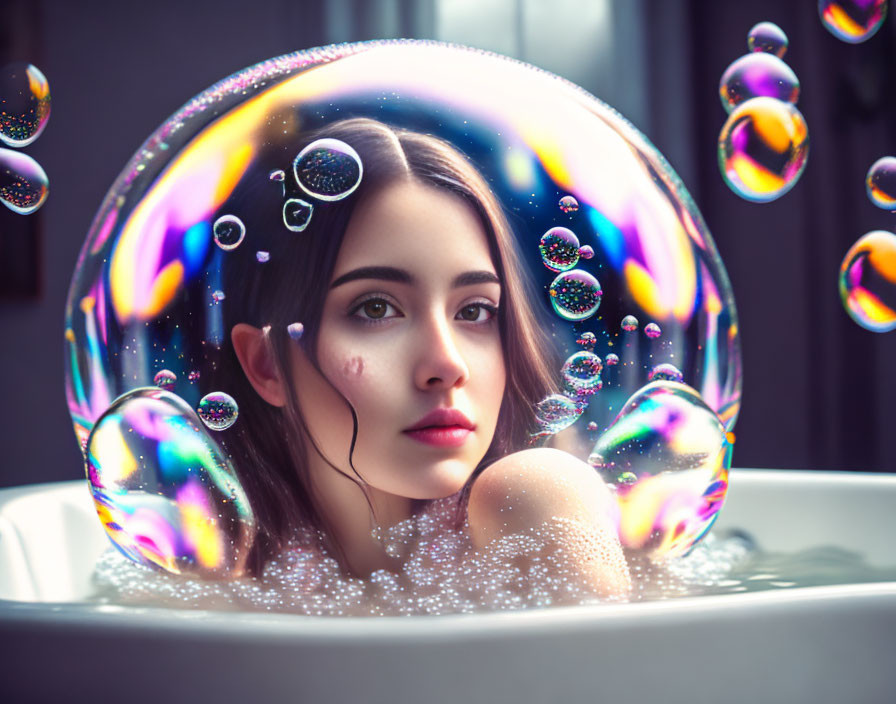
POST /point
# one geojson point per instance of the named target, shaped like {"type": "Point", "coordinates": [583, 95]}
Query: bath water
{"type": "Point", "coordinates": [442, 574]}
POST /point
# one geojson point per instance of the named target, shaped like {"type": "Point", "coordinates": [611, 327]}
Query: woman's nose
{"type": "Point", "coordinates": [440, 363]}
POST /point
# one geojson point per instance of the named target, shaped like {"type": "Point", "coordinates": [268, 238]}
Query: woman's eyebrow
{"type": "Point", "coordinates": [390, 273]}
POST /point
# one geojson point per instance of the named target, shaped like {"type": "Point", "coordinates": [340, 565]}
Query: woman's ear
{"type": "Point", "coordinates": [254, 353]}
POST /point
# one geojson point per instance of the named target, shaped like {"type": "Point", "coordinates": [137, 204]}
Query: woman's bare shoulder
{"type": "Point", "coordinates": [528, 488]}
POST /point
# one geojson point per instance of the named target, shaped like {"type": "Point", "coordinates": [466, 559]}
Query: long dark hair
{"type": "Point", "coordinates": [269, 446]}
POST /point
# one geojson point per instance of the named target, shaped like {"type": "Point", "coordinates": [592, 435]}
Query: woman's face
{"type": "Point", "coordinates": [409, 331]}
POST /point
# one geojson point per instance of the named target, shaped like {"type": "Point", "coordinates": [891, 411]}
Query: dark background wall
{"type": "Point", "coordinates": [818, 390]}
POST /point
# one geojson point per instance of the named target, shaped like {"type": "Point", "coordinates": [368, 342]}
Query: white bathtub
{"type": "Point", "coordinates": [813, 644]}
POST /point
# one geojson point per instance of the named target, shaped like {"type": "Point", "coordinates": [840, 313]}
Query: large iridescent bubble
{"type": "Point", "coordinates": [153, 291]}
{"type": "Point", "coordinates": [853, 21]}
{"type": "Point", "coordinates": [868, 281]}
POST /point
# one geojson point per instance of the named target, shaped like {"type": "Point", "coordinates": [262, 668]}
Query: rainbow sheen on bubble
{"type": "Point", "coordinates": [868, 281]}
{"type": "Point", "coordinates": [149, 264]}
{"type": "Point", "coordinates": [581, 373]}
{"type": "Point", "coordinates": [575, 295]}
{"type": "Point", "coordinates": [559, 249]}
{"type": "Point", "coordinates": [24, 104]}
{"type": "Point", "coordinates": [23, 183]}
{"type": "Point", "coordinates": [652, 330]}
{"type": "Point", "coordinates": [611, 360]}
{"type": "Point", "coordinates": [229, 232]}
{"type": "Point", "coordinates": [667, 455]}
{"type": "Point", "coordinates": [757, 75]}
{"type": "Point", "coordinates": [666, 372]}
{"type": "Point", "coordinates": [328, 169]}
{"type": "Point", "coordinates": [852, 21]}
{"type": "Point", "coordinates": [165, 380]}
{"type": "Point", "coordinates": [218, 410]}
{"type": "Point", "coordinates": [568, 204]}
{"type": "Point", "coordinates": [262, 257]}
{"type": "Point", "coordinates": [767, 37]}
{"type": "Point", "coordinates": [586, 251]}
{"type": "Point", "coordinates": [763, 149]}
{"type": "Point", "coordinates": [557, 412]}
{"type": "Point", "coordinates": [629, 323]}
{"type": "Point", "coordinates": [880, 183]}
{"type": "Point", "coordinates": [164, 490]}
{"type": "Point", "coordinates": [297, 214]}
{"type": "Point", "coordinates": [587, 340]}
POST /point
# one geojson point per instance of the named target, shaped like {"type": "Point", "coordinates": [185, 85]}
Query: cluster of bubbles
{"type": "Point", "coordinates": [852, 21]}
{"type": "Point", "coordinates": [764, 143]}
{"type": "Point", "coordinates": [867, 278]}
{"type": "Point", "coordinates": [24, 112]}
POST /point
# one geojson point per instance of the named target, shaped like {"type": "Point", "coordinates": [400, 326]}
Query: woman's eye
{"type": "Point", "coordinates": [373, 309]}
{"type": "Point", "coordinates": [474, 312]}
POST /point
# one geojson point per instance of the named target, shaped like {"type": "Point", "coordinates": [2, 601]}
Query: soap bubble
{"type": "Point", "coordinates": [218, 296]}
{"type": "Point", "coordinates": [881, 183]}
{"type": "Point", "coordinates": [591, 427]}
{"type": "Point", "coordinates": [262, 257]}
{"type": "Point", "coordinates": [581, 373]}
{"type": "Point", "coordinates": [587, 340]}
{"type": "Point", "coordinates": [652, 330]}
{"type": "Point", "coordinates": [665, 372]}
{"type": "Point", "coordinates": [611, 360]}
{"type": "Point", "coordinates": [769, 38]}
{"type": "Point", "coordinates": [23, 183]}
{"type": "Point", "coordinates": [24, 104]}
{"type": "Point", "coordinates": [559, 249]}
{"type": "Point", "coordinates": [297, 214]}
{"type": "Point", "coordinates": [218, 410]}
{"type": "Point", "coordinates": [557, 412]}
{"type": "Point", "coordinates": [149, 263]}
{"type": "Point", "coordinates": [165, 379]}
{"type": "Point", "coordinates": [575, 295]}
{"type": "Point", "coordinates": [586, 252]}
{"type": "Point", "coordinates": [568, 204]}
{"type": "Point", "coordinates": [164, 490]}
{"type": "Point", "coordinates": [277, 175]}
{"type": "Point", "coordinates": [868, 281]}
{"type": "Point", "coordinates": [852, 21]}
{"type": "Point", "coordinates": [763, 149]}
{"type": "Point", "coordinates": [679, 454]}
{"type": "Point", "coordinates": [193, 375]}
{"type": "Point", "coordinates": [629, 323]}
{"type": "Point", "coordinates": [229, 232]}
{"type": "Point", "coordinates": [328, 169]}
{"type": "Point", "coordinates": [757, 75]}
{"type": "Point", "coordinates": [295, 330]}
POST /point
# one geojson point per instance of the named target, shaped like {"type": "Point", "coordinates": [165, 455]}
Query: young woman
{"type": "Point", "coordinates": [416, 373]}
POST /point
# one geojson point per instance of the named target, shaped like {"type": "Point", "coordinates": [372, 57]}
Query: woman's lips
{"type": "Point", "coordinates": [441, 435]}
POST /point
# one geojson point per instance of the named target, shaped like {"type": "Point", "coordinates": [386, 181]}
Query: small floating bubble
{"type": "Point", "coordinates": [559, 249]}
{"type": "Point", "coordinates": [592, 426]}
{"type": "Point", "coordinates": [852, 21]}
{"type": "Point", "coordinates": [278, 175]}
{"type": "Point", "coordinates": [193, 375]}
{"type": "Point", "coordinates": [587, 340]}
{"type": "Point", "coordinates": [165, 379]}
{"type": "Point", "coordinates": [229, 232]}
{"type": "Point", "coordinates": [763, 149]}
{"type": "Point", "coordinates": [611, 360]}
{"type": "Point", "coordinates": [757, 75]}
{"type": "Point", "coordinates": [262, 257]}
{"type": "Point", "coordinates": [557, 412]}
{"type": "Point", "coordinates": [218, 410]}
{"type": "Point", "coordinates": [652, 330]}
{"type": "Point", "coordinates": [25, 101]}
{"type": "Point", "coordinates": [881, 183]}
{"type": "Point", "coordinates": [575, 295]}
{"type": "Point", "coordinates": [581, 372]}
{"type": "Point", "coordinates": [629, 323]}
{"type": "Point", "coordinates": [328, 169]}
{"type": "Point", "coordinates": [23, 183]}
{"type": "Point", "coordinates": [868, 281]}
{"type": "Point", "coordinates": [586, 251]}
{"type": "Point", "coordinates": [769, 38]}
{"type": "Point", "coordinates": [295, 330]}
{"type": "Point", "coordinates": [667, 372]}
{"type": "Point", "coordinates": [297, 214]}
{"type": "Point", "coordinates": [568, 204]}
{"type": "Point", "coordinates": [627, 478]}
{"type": "Point", "coordinates": [218, 296]}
